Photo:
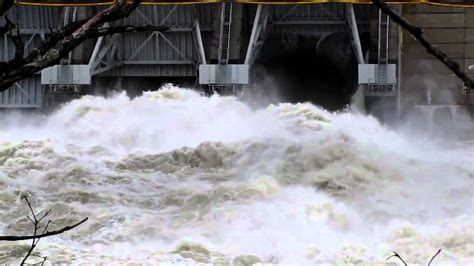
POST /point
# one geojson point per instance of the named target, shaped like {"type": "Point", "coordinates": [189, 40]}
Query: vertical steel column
{"type": "Point", "coordinates": [197, 29]}
{"type": "Point", "coordinates": [253, 35]}
{"type": "Point", "coordinates": [355, 33]}
{"type": "Point", "coordinates": [358, 99]}
{"type": "Point", "coordinates": [96, 48]}
{"type": "Point", "coordinates": [399, 65]}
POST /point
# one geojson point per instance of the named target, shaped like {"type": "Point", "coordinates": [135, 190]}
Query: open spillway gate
{"type": "Point", "coordinates": [213, 42]}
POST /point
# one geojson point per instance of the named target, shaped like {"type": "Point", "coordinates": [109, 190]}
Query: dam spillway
{"type": "Point", "coordinates": [194, 39]}
{"type": "Point", "coordinates": [229, 140]}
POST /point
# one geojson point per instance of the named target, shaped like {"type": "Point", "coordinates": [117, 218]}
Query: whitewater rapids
{"type": "Point", "coordinates": [174, 177]}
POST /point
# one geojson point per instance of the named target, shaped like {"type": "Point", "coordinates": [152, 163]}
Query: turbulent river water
{"type": "Point", "coordinates": [173, 177]}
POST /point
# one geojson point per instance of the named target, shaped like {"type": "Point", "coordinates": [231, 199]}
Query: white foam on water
{"type": "Point", "coordinates": [290, 183]}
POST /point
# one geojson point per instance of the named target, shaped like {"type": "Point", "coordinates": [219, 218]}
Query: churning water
{"type": "Point", "coordinates": [176, 177]}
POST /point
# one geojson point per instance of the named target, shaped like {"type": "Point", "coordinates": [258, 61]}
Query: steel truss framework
{"type": "Point", "coordinates": [174, 53]}
{"type": "Point", "coordinates": [178, 46]}
{"type": "Point", "coordinates": [22, 94]}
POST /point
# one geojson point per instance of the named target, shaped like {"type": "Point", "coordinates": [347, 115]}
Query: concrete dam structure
{"type": "Point", "coordinates": [316, 50]}
{"type": "Point", "coordinates": [233, 133]}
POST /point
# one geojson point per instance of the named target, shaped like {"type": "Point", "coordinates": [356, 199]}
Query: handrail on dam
{"type": "Point", "coordinates": [445, 3]}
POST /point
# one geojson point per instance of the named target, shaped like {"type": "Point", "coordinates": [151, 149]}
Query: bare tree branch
{"type": "Point", "coordinates": [418, 34]}
{"type": "Point", "coordinates": [54, 55]}
{"type": "Point", "coordinates": [53, 39]}
{"type": "Point", "coordinates": [94, 33]}
{"type": "Point", "coordinates": [42, 217]}
{"type": "Point", "coordinates": [59, 44]}
{"type": "Point", "coordinates": [5, 5]}
{"type": "Point", "coordinates": [115, 12]}
{"type": "Point", "coordinates": [395, 254]}
{"type": "Point", "coordinates": [37, 237]}
{"type": "Point", "coordinates": [3, 29]}
{"type": "Point", "coordinates": [46, 234]}
{"type": "Point", "coordinates": [44, 46]}
{"type": "Point", "coordinates": [432, 258]}
{"type": "Point", "coordinates": [44, 258]}
{"type": "Point", "coordinates": [16, 39]}
{"type": "Point", "coordinates": [31, 209]}
{"type": "Point", "coordinates": [35, 224]}
{"type": "Point", "coordinates": [14, 36]}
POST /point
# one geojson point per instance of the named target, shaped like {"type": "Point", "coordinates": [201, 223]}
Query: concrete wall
{"type": "Point", "coordinates": [450, 29]}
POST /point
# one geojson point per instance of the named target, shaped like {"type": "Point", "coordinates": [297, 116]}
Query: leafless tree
{"type": "Point", "coordinates": [37, 234]}
{"type": "Point", "coordinates": [396, 255]}
{"type": "Point", "coordinates": [417, 33]}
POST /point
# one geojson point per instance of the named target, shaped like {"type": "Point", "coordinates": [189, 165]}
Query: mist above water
{"type": "Point", "coordinates": [176, 177]}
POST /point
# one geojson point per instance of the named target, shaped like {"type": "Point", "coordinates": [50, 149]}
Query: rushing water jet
{"type": "Point", "coordinates": [176, 177]}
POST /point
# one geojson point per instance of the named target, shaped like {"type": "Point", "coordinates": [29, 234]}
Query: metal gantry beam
{"type": "Point", "coordinates": [258, 35]}
{"type": "Point", "coordinates": [110, 46]}
{"type": "Point", "coordinates": [171, 53]}
{"type": "Point", "coordinates": [158, 62]}
{"type": "Point", "coordinates": [355, 33]}
{"type": "Point", "coordinates": [29, 41]}
{"type": "Point", "coordinates": [97, 45]}
{"type": "Point", "coordinates": [168, 16]}
{"type": "Point", "coordinates": [98, 55]}
{"type": "Point", "coordinates": [308, 22]}
{"type": "Point", "coordinates": [309, 13]}
{"type": "Point", "coordinates": [293, 8]}
{"type": "Point", "coordinates": [28, 97]}
{"type": "Point", "coordinates": [145, 53]}
{"type": "Point", "coordinates": [109, 66]}
{"type": "Point", "coordinates": [145, 18]}
{"type": "Point", "coordinates": [329, 13]}
{"type": "Point", "coordinates": [253, 35]}
{"type": "Point", "coordinates": [134, 52]}
{"type": "Point", "coordinates": [99, 52]}
{"type": "Point", "coordinates": [183, 56]}
{"type": "Point", "coordinates": [358, 99]}
{"type": "Point", "coordinates": [153, 34]}
{"type": "Point", "coordinates": [316, 20]}
{"type": "Point", "coordinates": [202, 54]}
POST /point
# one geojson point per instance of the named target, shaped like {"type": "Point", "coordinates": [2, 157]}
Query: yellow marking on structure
{"type": "Point", "coordinates": [102, 3]}
{"type": "Point", "coordinates": [402, 2]}
{"type": "Point", "coordinates": [273, 2]}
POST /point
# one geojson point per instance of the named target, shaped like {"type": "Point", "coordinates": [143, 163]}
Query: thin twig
{"type": "Point", "coordinates": [432, 258]}
{"type": "Point", "coordinates": [35, 223]}
{"type": "Point", "coordinates": [31, 208]}
{"type": "Point", "coordinates": [30, 219]}
{"type": "Point", "coordinates": [39, 256]}
{"type": "Point", "coordinates": [37, 237]}
{"type": "Point", "coordinates": [14, 30]}
{"type": "Point", "coordinates": [395, 254]}
{"type": "Point", "coordinates": [42, 217]}
{"type": "Point", "coordinates": [46, 227]}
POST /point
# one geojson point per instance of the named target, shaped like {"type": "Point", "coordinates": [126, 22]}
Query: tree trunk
{"type": "Point", "coordinates": [418, 34]}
